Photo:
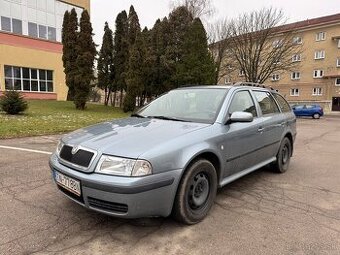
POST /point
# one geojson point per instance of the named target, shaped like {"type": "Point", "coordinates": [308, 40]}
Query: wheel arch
{"type": "Point", "coordinates": [212, 157]}
{"type": "Point", "coordinates": [290, 137]}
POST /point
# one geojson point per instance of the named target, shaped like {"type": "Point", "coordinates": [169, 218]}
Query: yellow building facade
{"type": "Point", "coordinates": [30, 46]}
{"type": "Point", "coordinates": [316, 77]}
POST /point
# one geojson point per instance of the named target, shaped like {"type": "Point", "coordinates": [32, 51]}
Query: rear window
{"type": "Point", "coordinates": [282, 102]}
{"type": "Point", "coordinates": [266, 102]}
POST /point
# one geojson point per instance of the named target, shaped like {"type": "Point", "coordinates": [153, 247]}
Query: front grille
{"type": "Point", "coordinates": [80, 158]}
{"type": "Point", "coordinates": [107, 206]}
{"type": "Point", "coordinates": [70, 194]}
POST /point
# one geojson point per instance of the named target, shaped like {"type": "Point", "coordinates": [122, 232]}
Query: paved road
{"type": "Point", "coordinates": [263, 213]}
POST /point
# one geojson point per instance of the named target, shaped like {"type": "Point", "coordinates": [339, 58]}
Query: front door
{"type": "Point", "coordinates": [241, 140]}
{"type": "Point", "coordinates": [336, 104]}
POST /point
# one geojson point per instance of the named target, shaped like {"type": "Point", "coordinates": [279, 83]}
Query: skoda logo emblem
{"type": "Point", "coordinates": [74, 150]}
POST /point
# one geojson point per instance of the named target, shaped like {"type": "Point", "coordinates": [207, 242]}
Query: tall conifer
{"type": "Point", "coordinates": [86, 50]}
{"type": "Point", "coordinates": [105, 64]}
{"type": "Point", "coordinates": [69, 41]}
{"type": "Point", "coordinates": [121, 52]}
{"type": "Point", "coordinates": [197, 66]}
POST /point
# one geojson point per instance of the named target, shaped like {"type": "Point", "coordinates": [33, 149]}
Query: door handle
{"type": "Point", "coordinates": [260, 129]}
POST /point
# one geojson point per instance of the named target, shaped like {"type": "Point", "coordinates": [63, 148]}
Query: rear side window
{"type": "Point", "coordinates": [242, 102]}
{"type": "Point", "coordinates": [266, 102]}
{"type": "Point", "coordinates": [282, 102]}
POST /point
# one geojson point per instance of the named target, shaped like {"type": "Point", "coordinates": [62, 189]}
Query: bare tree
{"type": "Point", "coordinates": [259, 44]}
{"type": "Point", "coordinates": [218, 36]}
{"type": "Point", "coordinates": [197, 8]}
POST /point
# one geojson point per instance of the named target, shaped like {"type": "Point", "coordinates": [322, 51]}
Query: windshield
{"type": "Point", "coordinates": [192, 104]}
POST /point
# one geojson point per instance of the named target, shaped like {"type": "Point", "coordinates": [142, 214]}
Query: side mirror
{"type": "Point", "coordinates": [240, 117]}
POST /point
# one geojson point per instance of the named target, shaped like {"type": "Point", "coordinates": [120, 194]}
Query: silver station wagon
{"type": "Point", "coordinates": [172, 155]}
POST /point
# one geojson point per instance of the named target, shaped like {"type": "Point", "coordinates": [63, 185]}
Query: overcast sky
{"type": "Point", "coordinates": [150, 10]}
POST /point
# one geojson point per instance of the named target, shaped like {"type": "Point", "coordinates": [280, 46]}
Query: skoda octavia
{"type": "Point", "coordinates": [172, 155]}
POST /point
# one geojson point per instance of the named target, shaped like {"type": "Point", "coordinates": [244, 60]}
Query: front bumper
{"type": "Point", "coordinates": [126, 197]}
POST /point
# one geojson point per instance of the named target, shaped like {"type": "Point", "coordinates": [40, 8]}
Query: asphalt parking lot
{"type": "Point", "coordinates": [263, 213]}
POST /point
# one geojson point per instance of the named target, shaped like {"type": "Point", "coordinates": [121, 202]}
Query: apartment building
{"type": "Point", "coordinates": [30, 46]}
{"type": "Point", "coordinates": [316, 78]}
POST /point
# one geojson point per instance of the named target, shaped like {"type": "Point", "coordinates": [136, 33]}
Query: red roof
{"type": "Point", "coordinates": [311, 22]}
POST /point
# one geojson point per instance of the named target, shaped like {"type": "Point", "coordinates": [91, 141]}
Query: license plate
{"type": "Point", "coordinates": [68, 183]}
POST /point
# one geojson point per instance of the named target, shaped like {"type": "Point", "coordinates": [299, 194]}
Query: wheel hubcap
{"type": "Point", "coordinates": [285, 154]}
{"type": "Point", "coordinates": [199, 191]}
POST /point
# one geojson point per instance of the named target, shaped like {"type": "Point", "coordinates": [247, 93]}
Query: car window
{"type": "Point", "coordinates": [282, 102]}
{"type": "Point", "coordinates": [298, 107]}
{"type": "Point", "coordinates": [266, 102]}
{"type": "Point", "coordinates": [310, 106]}
{"type": "Point", "coordinates": [242, 102]}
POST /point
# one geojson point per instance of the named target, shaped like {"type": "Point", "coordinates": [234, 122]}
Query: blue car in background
{"type": "Point", "coordinates": [308, 110]}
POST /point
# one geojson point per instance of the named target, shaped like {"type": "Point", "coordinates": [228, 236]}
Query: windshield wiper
{"type": "Point", "coordinates": [167, 118]}
{"type": "Point", "coordinates": [138, 115]}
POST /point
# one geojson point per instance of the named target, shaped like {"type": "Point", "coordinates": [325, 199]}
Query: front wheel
{"type": "Point", "coordinates": [316, 116]}
{"type": "Point", "coordinates": [283, 156]}
{"type": "Point", "coordinates": [196, 192]}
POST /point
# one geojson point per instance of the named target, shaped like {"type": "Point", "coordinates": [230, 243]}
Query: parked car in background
{"type": "Point", "coordinates": [173, 154]}
{"type": "Point", "coordinates": [308, 110]}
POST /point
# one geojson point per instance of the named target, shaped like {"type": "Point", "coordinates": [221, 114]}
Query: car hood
{"type": "Point", "coordinates": [130, 137]}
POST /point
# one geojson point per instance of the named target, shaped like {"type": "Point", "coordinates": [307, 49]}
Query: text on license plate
{"type": "Point", "coordinates": [68, 183]}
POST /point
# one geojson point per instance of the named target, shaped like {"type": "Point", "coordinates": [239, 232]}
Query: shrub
{"type": "Point", "coordinates": [12, 102]}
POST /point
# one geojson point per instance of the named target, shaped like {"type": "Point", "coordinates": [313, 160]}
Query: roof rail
{"type": "Point", "coordinates": [253, 84]}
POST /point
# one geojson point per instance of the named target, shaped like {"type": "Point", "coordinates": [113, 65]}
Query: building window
{"type": "Point", "coordinates": [317, 92]}
{"type": "Point", "coordinates": [227, 80]}
{"type": "Point", "coordinates": [297, 40]}
{"type": "Point", "coordinates": [28, 79]}
{"type": "Point", "coordinates": [294, 92]}
{"type": "Point", "coordinates": [277, 61]}
{"type": "Point", "coordinates": [32, 29]}
{"type": "Point", "coordinates": [52, 34]}
{"type": "Point", "coordinates": [42, 32]}
{"type": "Point", "coordinates": [277, 43]}
{"type": "Point", "coordinates": [275, 77]}
{"type": "Point", "coordinates": [6, 24]}
{"type": "Point", "coordinates": [318, 74]}
{"type": "Point", "coordinates": [17, 26]}
{"type": "Point", "coordinates": [295, 75]}
{"type": "Point", "coordinates": [241, 72]}
{"type": "Point", "coordinates": [338, 62]}
{"type": "Point", "coordinates": [319, 54]}
{"type": "Point", "coordinates": [321, 36]}
{"type": "Point", "coordinates": [11, 25]}
{"type": "Point", "coordinates": [337, 81]}
{"type": "Point", "coordinates": [296, 58]}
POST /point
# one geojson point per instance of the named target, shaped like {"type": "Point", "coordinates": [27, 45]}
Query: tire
{"type": "Point", "coordinates": [196, 192]}
{"type": "Point", "coordinates": [283, 156]}
{"type": "Point", "coordinates": [316, 116]}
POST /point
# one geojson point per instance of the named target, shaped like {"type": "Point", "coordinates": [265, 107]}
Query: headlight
{"type": "Point", "coordinates": [123, 166]}
{"type": "Point", "coordinates": [59, 147]}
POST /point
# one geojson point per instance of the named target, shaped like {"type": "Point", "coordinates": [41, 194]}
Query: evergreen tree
{"type": "Point", "coordinates": [148, 66]}
{"type": "Point", "coordinates": [136, 76]}
{"type": "Point", "coordinates": [197, 65]}
{"type": "Point", "coordinates": [105, 64]}
{"type": "Point", "coordinates": [180, 21]}
{"type": "Point", "coordinates": [161, 79]}
{"type": "Point", "coordinates": [121, 52]}
{"type": "Point", "coordinates": [69, 41]}
{"type": "Point", "coordinates": [133, 26]}
{"type": "Point", "coordinates": [86, 50]}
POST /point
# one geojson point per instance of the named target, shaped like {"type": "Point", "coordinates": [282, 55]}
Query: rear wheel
{"type": "Point", "coordinates": [281, 164]}
{"type": "Point", "coordinates": [316, 116]}
{"type": "Point", "coordinates": [196, 192]}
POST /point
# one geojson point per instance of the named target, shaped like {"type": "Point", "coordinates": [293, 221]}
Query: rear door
{"type": "Point", "coordinates": [272, 125]}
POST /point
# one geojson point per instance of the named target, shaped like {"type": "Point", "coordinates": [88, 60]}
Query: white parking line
{"type": "Point", "coordinates": [23, 149]}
